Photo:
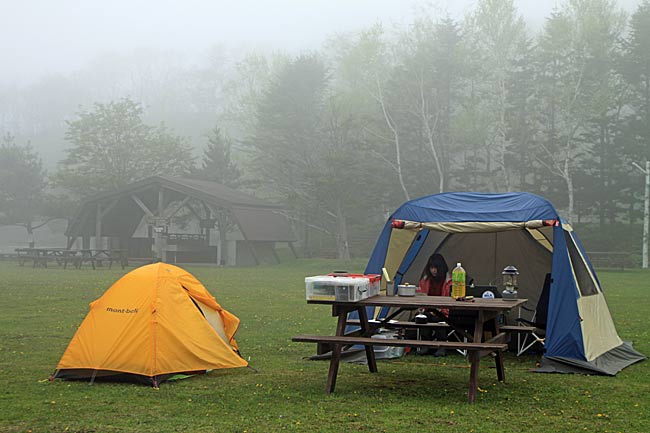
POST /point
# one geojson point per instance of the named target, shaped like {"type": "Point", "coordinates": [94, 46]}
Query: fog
{"type": "Point", "coordinates": [321, 104]}
{"type": "Point", "coordinates": [40, 37]}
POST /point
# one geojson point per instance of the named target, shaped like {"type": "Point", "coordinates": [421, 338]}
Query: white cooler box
{"type": "Point", "coordinates": [331, 288]}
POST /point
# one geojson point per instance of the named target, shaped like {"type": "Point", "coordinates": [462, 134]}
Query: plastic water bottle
{"type": "Point", "coordinates": [458, 282]}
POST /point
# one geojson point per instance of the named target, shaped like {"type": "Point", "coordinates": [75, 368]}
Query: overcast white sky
{"type": "Point", "coordinates": [39, 37]}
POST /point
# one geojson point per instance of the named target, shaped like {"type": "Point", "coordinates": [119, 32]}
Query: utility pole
{"type": "Point", "coordinates": [646, 211]}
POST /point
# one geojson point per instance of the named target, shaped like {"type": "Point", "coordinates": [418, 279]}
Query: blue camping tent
{"type": "Point", "coordinates": [487, 232]}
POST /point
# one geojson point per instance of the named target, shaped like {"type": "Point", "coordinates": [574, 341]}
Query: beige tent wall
{"type": "Point", "coordinates": [398, 245]}
{"type": "Point", "coordinates": [598, 331]}
{"type": "Point", "coordinates": [484, 255]}
{"type": "Point", "coordinates": [214, 319]}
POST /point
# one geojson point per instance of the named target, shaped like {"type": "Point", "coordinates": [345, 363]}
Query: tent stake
{"type": "Point", "coordinates": [92, 379]}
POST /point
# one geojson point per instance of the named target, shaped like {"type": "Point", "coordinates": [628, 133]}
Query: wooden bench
{"type": "Point", "coordinates": [474, 351]}
{"type": "Point", "coordinates": [37, 260]}
{"type": "Point", "coordinates": [401, 324]}
{"type": "Point", "coordinates": [516, 329]}
{"type": "Point", "coordinates": [369, 341]}
{"type": "Point", "coordinates": [523, 343]}
{"type": "Point", "coordinates": [7, 256]}
{"type": "Point", "coordinates": [77, 261]}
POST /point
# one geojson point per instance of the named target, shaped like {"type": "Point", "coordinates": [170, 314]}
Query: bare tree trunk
{"type": "Point", "coordinates": [424, 117]}
{"type": "Point", "coordinates": [30, 234]}
{"type": "Point", "coordinates": [391, 126]}
{"type": "Point", "coordinates": [568, 178]}
{"type": "Point", "coordinates": [342, 237]}
{"type": "Point", "coordinates": [502, 144]}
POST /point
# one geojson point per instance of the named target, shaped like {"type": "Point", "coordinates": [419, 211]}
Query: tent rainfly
{"type": "Point", "coordinates": [487, 232]}
{"type": "Point", "coordinates": [154, 322]}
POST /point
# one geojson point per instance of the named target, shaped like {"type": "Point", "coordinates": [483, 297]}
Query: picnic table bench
{"type": "Point", "coordinates": [518, 330]}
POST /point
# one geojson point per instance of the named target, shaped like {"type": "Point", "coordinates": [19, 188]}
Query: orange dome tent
{"type": "Point", "coordinates": [154, 322]}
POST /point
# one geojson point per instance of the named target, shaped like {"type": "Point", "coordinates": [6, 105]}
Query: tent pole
{"type": "Point", "coordinates": [92, 379]}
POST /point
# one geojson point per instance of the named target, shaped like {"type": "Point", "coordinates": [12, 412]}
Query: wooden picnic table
{"type": "Point", "coordinates": [76, 257]}
{"type": "Point", "coordinates": [96, 257]}
{"type": "Point", "coordinates": [39, 256]}
{"type": "Point", "coordinates": [484, 339]}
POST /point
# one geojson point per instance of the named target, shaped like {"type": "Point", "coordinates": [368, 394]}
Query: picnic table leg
{"type": "Point", "coordinates": [370, 352]}
{"type": "Point", "coordinates": [478, 327]}
{"type": "Point", "coordinates": [474, 358]}
{"type": "Point", "coordinates": [334, 368]}
{"type": "Point", "coordinates": [498, 359]}
{"type": "Point", "coordinates": [336, 353]}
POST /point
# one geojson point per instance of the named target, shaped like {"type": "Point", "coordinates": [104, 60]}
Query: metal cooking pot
{"type": "Point", "coordinates": [406, 290]}
{"type": "Point", "coordinates": [421, 319]}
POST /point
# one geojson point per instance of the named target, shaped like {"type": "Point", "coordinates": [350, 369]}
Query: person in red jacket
{"type": "Point", "coordinates": [435, 281]}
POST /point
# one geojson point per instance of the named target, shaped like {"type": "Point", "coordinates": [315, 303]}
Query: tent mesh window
{"type": "Point", "coordinates": [583, 276]}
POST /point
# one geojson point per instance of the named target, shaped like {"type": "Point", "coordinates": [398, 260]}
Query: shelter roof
{"type": "Point", "coordinates": [123, 209]}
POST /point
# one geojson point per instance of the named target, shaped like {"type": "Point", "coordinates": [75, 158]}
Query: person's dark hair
{"type": "Point", "coordinates": [436, 260]}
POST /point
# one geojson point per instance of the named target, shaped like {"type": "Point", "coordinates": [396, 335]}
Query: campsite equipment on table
{"type": "Point", "coordinates": [389, 285]}
{"type": "Point", "coordinates": [421, 319]}
{"type": "Point", "coordinates": [155, 322]}
{"type": "Point", "coordinates": [491, 231]}
{"type": "Point", "coordinates": [374, 283]}
{"type": "Point", "coordinates": [458, 282]}
{"type": "Point", "coordinates": [406, 290]}
{"type": "Point", "coordinates": [341, 287]}
{"type": "Point", "coordinates": [510, 282]}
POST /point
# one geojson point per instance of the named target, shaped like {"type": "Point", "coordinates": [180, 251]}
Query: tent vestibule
{"type": "Point", "coordinates": [486, 233]}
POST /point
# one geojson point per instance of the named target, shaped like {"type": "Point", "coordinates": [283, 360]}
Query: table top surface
{"type": "Point", "coordinates": [446, 302]}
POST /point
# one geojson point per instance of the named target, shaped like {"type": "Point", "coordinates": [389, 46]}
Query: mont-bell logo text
{"type": "Point", "coordinates": [122, 310]}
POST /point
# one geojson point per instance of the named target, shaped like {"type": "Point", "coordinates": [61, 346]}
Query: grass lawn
{"type": "Point", "coordinates": [40, 309]}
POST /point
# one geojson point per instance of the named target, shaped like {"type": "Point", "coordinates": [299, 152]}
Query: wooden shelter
{"type": "Point", "coordinates": [182, 220]}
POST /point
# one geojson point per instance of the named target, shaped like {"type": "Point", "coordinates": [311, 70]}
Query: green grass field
{"type": "Point", "coordinates": [41, 309]}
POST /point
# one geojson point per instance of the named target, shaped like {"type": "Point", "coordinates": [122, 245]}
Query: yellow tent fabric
{"type": "Point", "coordinates": [152, 322]}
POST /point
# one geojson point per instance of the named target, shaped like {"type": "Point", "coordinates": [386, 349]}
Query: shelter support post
{"type": "Point", "coordinates": [293, 250]}
{"type": "Point", "coordinates": [98, 228]}
{"type": "Point", "coordinates": [160, 248]}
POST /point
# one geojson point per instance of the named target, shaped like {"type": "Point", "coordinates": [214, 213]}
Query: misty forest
{"type": "Point", "coordinates": [343, 134]}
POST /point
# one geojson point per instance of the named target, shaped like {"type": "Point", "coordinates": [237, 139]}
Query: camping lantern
{"type": "Point", "coordinates": [510, 282]}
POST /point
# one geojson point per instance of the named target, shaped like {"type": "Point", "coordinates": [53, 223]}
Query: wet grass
{"type": "Point", "coordinates": [41, 309]}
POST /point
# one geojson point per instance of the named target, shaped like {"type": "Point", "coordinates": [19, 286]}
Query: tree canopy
{"type": "Point", "coordinates": [112, 147]}
{"type": "Point", "coordinates": [22, 184]}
